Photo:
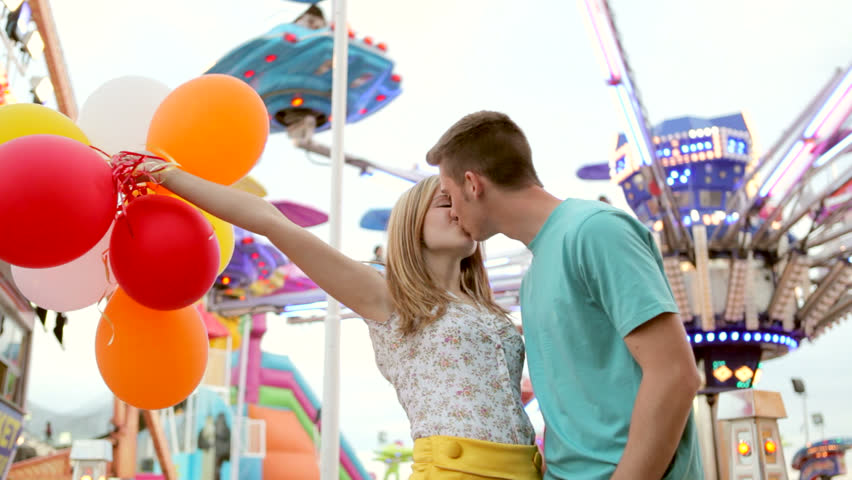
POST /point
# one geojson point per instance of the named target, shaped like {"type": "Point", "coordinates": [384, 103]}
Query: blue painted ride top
{"type": "Point", "coordinates": [705, 161]}
{"type": "Point", "coordinates": [376, 219]}
{"type": "Point", "coordinates": [290, 67]}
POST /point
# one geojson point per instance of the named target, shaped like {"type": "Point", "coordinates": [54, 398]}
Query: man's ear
{"type": "Point", "coordinates": [474, 183]}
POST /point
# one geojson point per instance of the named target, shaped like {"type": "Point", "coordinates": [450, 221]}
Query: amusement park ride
{"type": "Point", "coordinates": [290, 68]}
{"type": "Point", "coordinates": [756, 245]}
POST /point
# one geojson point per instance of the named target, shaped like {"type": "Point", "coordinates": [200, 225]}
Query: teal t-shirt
{"type": "Point", "coordinates": [596, 275]}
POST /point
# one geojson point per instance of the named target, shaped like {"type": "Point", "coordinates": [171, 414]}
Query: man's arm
{"type": "Point", "coordinates": [623, 271]}
{"type": "Point", "coordinates": [669, 383]}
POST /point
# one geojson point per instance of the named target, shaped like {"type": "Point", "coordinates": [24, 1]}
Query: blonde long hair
{"type": "Point", "coordinates": [417, 299]}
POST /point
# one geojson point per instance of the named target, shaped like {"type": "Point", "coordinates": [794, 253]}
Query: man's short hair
{"type": "Point", "coordinates": [490, 144]}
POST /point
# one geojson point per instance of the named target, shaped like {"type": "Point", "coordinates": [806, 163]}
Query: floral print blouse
{"type": "Point", "coordinates": [459, 376]}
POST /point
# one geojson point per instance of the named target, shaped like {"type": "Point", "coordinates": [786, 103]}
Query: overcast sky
{"type": "Point", "coordinates": [534, 61]}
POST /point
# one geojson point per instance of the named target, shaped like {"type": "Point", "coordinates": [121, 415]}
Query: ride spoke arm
{"type": "Point", "coordinates": [821, 126]}
{"type": "Point", "coordinates": [366, 166]}
{"type": "Point", "coordinates": [638, 130]}
{"type": "Point", "coordinates": [743, 202]}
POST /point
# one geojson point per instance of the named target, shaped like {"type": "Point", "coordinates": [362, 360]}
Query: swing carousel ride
{"type": "Point", "coordinates": [756, 246]}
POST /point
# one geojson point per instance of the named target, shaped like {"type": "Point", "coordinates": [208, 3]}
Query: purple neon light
{"type": "Point", "coordinates": [794, 171]}
{"type": "Point", "coordinates": [791, 157]}
{"type": "Point", "coordinates": [615, 74]}
{"type": "Point", "coordinates": [614, 62]}
{"type": "Point", "coordinates": [828, 109]}
{"type": "Point", "coordinates": [626, 100]}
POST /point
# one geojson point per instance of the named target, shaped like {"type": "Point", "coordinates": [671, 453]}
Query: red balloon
{"type": "Point", "coordinates": [58, 200]}
{"type": "Point", "coordinates": [163, 252]}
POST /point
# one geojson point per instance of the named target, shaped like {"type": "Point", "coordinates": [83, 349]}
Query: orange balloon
{"type": "Point", "coordinates": [156, 359]}
{"type": "Point", "coordinates": [214, 126]}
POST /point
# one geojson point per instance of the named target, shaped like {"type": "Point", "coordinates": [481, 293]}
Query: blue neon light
{"type": "Point", "coordinates": [834, 151]}
{"type": "Point", "coordinates": [734, 336]}
{"type": "Point", "coordinates": [829, 106]}
{"type": "Point", "coordinates": [635, 126]}
{"type": "Point", "coordinates": [306, 306]}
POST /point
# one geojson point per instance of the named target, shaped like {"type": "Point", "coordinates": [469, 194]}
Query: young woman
{"type": "Point", "coordinates": [452, 354]}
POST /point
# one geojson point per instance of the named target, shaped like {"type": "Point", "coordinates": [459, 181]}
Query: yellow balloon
{"type": "Point", "coordinates": [224, 232]}
{"type": "Point", "coordinates": [22, 119]}
{"type": "Point", "coordinates": [250, 185]}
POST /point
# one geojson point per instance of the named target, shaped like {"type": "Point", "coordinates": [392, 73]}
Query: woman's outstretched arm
{"type": "Point", "coordinates": [356, 285]}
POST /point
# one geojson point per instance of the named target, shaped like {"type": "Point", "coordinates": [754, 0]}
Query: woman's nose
{"type": "Point", "coordinates": [453, 215]}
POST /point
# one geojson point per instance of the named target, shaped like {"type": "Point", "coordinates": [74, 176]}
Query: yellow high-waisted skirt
{"type": "Point", "coordinates": [452, 458]}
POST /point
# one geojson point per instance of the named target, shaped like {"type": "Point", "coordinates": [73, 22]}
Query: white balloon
{"type": "Point", "coordinates": [117, 115]}
{"type": "Point", "coordinates": [72, 286]}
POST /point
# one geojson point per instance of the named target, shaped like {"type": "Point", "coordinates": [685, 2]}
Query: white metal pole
{"type": "Point", "coordinates": [236, 430]}
{"type": "Point", "coordinates": [170, 417]}
{"type": "Point", "coordinates": [330, 436]}
{"type": "Point", "coordinates": [188, 423]}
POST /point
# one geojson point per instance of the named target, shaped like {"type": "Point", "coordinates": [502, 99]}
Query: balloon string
{"type": "Point", "coordinates": [108, 291]}
{"type": "Point", "coordinates": [111, 327]}
{"type": "Point", "coordinates": [105, 260]}
{"type": "Point", "coordinates": [133, 172]}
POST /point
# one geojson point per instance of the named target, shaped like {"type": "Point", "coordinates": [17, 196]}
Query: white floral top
{"type": "Point", "coordinates": [459, 376]}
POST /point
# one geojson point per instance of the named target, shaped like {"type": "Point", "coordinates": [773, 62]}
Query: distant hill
{"type": "Point", "coordinates": [85, 422]}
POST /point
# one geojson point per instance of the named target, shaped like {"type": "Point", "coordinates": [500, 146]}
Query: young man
{"type": "Point", "coordinates": [607, 352]}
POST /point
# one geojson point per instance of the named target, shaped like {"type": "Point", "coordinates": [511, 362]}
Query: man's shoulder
{"type": "Point", "coordinates": [572, 213]}
{"type": "Point", "coordinates": [577, 219]}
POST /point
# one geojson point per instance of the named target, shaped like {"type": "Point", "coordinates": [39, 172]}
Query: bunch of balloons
{"type": "Point", "coordinates": [74, 236]}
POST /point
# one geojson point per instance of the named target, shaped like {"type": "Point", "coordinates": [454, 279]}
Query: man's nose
{"type": "Point", "coordinates": [453, 215]}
